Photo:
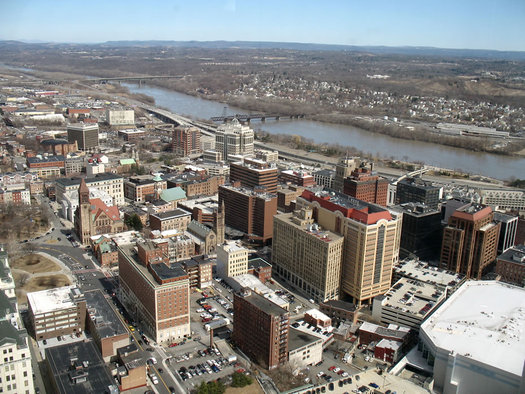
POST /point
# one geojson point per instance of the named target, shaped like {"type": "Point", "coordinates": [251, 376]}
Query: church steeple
{"type": "Point", "coordinates": [83, 192]}
{"type": "Point", "coordinates": [219, 224]}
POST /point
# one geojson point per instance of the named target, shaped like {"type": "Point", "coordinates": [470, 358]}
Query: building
{"type": "Point", "coordinates": [305, 257]}
{"type": "Point", "coordinates": [204, 237]}
{"type": "Point", "coordinates": [387, 350]}
{"type": "Point", "coordinates": [260, 329]}
{"type": "Point", "coordinates": [339, 311]}
{"type": "Point", "coordinates": [475, 342]}
{"type": "Point", "coordinates": [325, 178]}
{"type": "Point", "coordinates": [120, 117]}
{"type": "Point", "coordinates": [7, 283]}
{"type": "Point", "coordinates": [508, 230]}
{"type": "Point", "coordinates": [257, 174]}
{"type": "Point", "coordinates": [199, 270]}
{"type": "Point", "coordinates": [364, 184]}
{"type": "Point", "coordinates": [503, 199]}
{"type": "Point", "coordinates": [45, 162]}
{"type": "Point", "coordinates": [232, 260]}
{"type": "Point", "coordinates": [470, 240]}
{"type": "Point", "coordinates": [299, 178]}
{"type": "Point", "coordinates": [303, 349]}
{"type": "Point", "coordinates": [249, 211]}
{"type": "Point", "coordinates": [369, 332]}
{"type": "Point", "coordinates": [198, 186]}
{"type": "Point", "coordinates": [371, 240]}
{"type": "Point", "coordinates": [85, 135]}
{"type": "Point", "coordinates": [104, 325]}
{"type": "Point", "coordinates": [132, 135]}
{"type": "Point", "coordinates": [510, 266]}
{"type": "Point", "coordinates": [109, 183]}
{"type": "Point", "coordinates": [418, 190]}
{"type": "Point", "coordinates": [260, 268]}
{"type": "Point", "coordinates": [143, 188]}
{"type": "Point", "coordinates": [105, 251]}
{"type": "Point", "coordinates": [15, 196]}
{"type": "Point", "coordinates": [74, 165]}
{"type": "Point", "coordinates": [69, 203]}
{"type": "Point", "coordinates": [420, 231]}
{"type": "Point", "coordinates": [93, 217]}
{"type": "Point", "coordinates": [56, 312]}
{"type": "Point", "coordinates": [176, 219]}
{"type": "Point", "coordinates": [424, 272]}
{"type": "Point", "coordinates": [286, 197]}
{"type": "Point", "coordinates": [343, 169]}
{"type": "Point", "coordinates": [157, 295]}
{"type": "Point", "coordinates": [186, 141]}
{"type": "Point", "coordinates": [269, 156]}
{"type": "Point", "coordinates": [234, 139]}
{"type": "Point", "coordinates": [408, 303]}
{"type": "Point", "coordinates": [78, 368]}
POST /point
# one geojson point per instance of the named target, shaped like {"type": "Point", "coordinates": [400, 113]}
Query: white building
{"type": "Point", "coordinates": [502, 199]}
{"type": "Point", "coordinates": [109, 183]}
{"type": "Point", "coordinates": [121, 117]}
{"type": "Point", "coordinates": [476, 340]}
{"type": "Point", "coordinates": [234, 139]}
{"type": "Point", "coordinates": [7, 283]}
{"type": "Point", "coordinates": [69, 201]}
{"type": "Point", "coordinates": [232, 260]}
{"type": "Point", "coordinates": [95, 168]}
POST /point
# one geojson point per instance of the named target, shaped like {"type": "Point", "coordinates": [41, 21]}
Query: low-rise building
{"type": "Point", "coordinates": [260, 268]}
{"type": "Point", "coordinates": [303, 349]}
{"type": "Point", "coordinates": [369, 332]}
{"type": "Point", "coordinates": [510, 265]}
{"type": "Point", "coordinates": [199, 270]}
{"type": "Point", "coordinates": [176, 219]}
{"type": "Point", "coordinates": [339, 311]}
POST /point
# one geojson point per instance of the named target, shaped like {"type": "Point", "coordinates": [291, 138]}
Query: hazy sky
{"type": "Point", "coordinates": [474, 24]}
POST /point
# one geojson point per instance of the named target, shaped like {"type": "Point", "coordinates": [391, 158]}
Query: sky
{"type": "Point", "coordinates": [464, 24]}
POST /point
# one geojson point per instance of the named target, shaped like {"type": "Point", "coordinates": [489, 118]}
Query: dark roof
{"type": "Point", "coordinates": [515, 255]}
{"type": "Point", "coordinates": [348, 306]}
{"type": "Point", "coordinates": [263, 303]}
{"type": "Point", "coordinates": [171, 271]}
{"type": "Point", "coordinates": [107, 322]}
{"type": "Point", "coordinates": [171, 214]}
{"type": "Point", "coordinates": [61, 359]}
{"type": "Point", "coordinates": [97, 178]}
{"type": "Point", "coordinates": [258, 262]}
{"type": "Point", "coordinates": [46, 159]}
{"type": "Point", "coordinates": [55, 141]}
{"type": "Point", "coordinates": [298, 339]}
{"type": "Point", "coordinates": [10, 334]}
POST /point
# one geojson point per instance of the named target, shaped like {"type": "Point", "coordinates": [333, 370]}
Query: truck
{"type": "Point", "coordinates": [232, 358]}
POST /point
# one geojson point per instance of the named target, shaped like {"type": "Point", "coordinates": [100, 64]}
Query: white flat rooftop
{"type": "Point", "coordinates": [51, 300]}
{"type": "Point", "coordinates": [482, 320]}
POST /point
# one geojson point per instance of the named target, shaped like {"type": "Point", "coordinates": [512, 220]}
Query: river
{"type": "Point", "coordinates": [495, 166]}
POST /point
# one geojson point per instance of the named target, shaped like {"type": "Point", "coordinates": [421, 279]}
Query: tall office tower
{"type": "Point", "coordinates": [186, 141]}
{"type": "Point", "coordinates": [507, 233]}
{"type": "Point", "coordinates": [305, 256]}
{"type": "Point", "coordinates": [249, 211]}
{"type": "Point", "coordinates": [418, 190]}
{"type": "Point", "coordinates": [254, 174]}
{"type": "Point", "coordinates": [420, 232]}
{"type": "Point", "coordinates": [232, 259]}
{"type": "Point", "coordinates": [234, 139]}
{"type": "Point", "coordinates": [155, 293]}
{"type": "Point", "coordinates": [470, 240]}
{"type": "Point", "coordinates": [371, 240]}
{"type": "Point", "coordinates": [85, 135]}
{"type": "Point", "coordinates": [260, 329]}
{"type": "Point", "coordinates": [364, 184]}
{"type": "Point", "coordinates": [343, 169]}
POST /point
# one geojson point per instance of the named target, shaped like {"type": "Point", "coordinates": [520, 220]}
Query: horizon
{"type": "Point", "coordinates": [469, 25]}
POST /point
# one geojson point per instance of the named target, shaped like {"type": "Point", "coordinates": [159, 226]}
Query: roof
{"type": "Point", "coordinates": [347, 306]}
{"type": "Point", "coordinates": [264, 304]}
{"type": "Point", "coordinates": [125, 162]}
{"type": "Point", "coordinates": [47, 159]}
{"type": "Point", "coordinates": [9, 334]}
{"type": "Point", "coordinates": [423, 271]}
{"type": "Point", "coordinates": [170, 214]}
{"type": "Point", "coordinates": [483, 321]}
{"type": "Point", "coordinates": [173, 194]}
{"type": "Point", "coordinates": [168, 271]}
{"type": "Point", "coordinates": [199, 229]}
{"type": "Point", "coordinates": [391, 331]}
{"type": "Point", "coordinates": [515, 255]}
{"type": "Point", "coordinates": [106, 321]}
{"type": "Point", "coordinates": [258, 262]}
{"type": "Point", "coordinates": [53, 299]}
{"type": "Point", "coordinates": [98, 207]}
{"type": "Point", "coordinates": [299, 339]}
{"type": "Point", "coordinates": [97, 178]}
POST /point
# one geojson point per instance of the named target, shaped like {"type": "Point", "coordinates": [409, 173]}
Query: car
{"type": "Point", "coordinates": [321, 373]}
{"type": "Point", "coordinates": [374, 385]}
{"type": "Point", "coordinates": [160, 370]}
{"type": "Point", "coordinates": [172, 390]}
{"type": "Point", "coordinates": [332, 368]}
{"type": "Point", "coordinates": [336, 370]}
{"type": "Point", "coordinates": [59, 239]}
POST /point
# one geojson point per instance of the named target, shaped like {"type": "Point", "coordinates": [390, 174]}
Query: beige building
{"type": "Point", "coordinates": [232, 260]}
{"type": "Point", "coordinates": [234, 139]}
{"type": "Point", "coordinates": [305, 256]}
{"type": "Point", "coordinates": [120, 117]}
{"type": "Point", "coordinates": [343, 169]}
{"type": "Point", "coordinates": [371, 240]}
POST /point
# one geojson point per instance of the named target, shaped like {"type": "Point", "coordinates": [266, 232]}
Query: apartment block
{"type": "Point", "coordinates": [186, 141]}
{"type": "Point", "coordinates": [306, 257]}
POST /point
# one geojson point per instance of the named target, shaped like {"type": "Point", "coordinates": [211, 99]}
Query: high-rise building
{"type": "Point", "coordinates": [364, 184]}
{"type": "Point", "coordinates": [232, 259]}
{"type": "Point", "coordinates": [249, 211]}
{"type": "Point", "coordinates": [84, 134]}
{"type": "Point", "coordinates": [219, 223]}
{"type": "Point", "coordinates": [155, 293]}
{"type": "Point", "coordinates": [325, 178]}
{"type": "Point", "coordinates": [234, 139]}
{"type": "Point", "coordinates": [418, 190]}
{"type": "Point", "coordinates": [255, 174]}
{"type": "Point", "coordinates": [507, 233]}
{"type": "Point", "coordinates": [371, 240]}
{"type": "Point", "coordinates": [186, 141]}
{"type": "Point", "coordinates": [260, 329]}
{"type": "Point", "coordinates": [420, 232]}
{"type": "Point", "coordinates": [343, 169]}
{"type": "Point", "coordinates": [305, 256]}
{"type": "Point", "coordinates": [470, 240]}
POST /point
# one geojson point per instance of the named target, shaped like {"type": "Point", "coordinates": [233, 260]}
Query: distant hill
{"type": "Point", "coordinates": [405, 50]}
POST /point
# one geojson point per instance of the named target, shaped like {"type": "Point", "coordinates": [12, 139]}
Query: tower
{"type": "Point", "coordinates": [219, 224]}
{"type": "Point", "coordinates": [343, 169]}
{"type": "Point", "coordinates": [83, 213]}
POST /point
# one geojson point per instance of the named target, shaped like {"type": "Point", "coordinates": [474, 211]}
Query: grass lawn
{"type": "Point", "coordinates": [38, 283]}
{"type": "Point", "coordinates": [253, 388]}
{"type": "Point", "coordinates": [35, 264]}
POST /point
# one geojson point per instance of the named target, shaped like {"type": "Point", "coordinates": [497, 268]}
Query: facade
{"type": "Point", "coordinates": [143, 188]}
{"type": "Point", "coordinates": [261, 175]}
{"type": "Point", "coordinates": [207, 186]}
{"type": "Point", "coordinates": [15, 196]}
{"type": "Point", "coordinates": [69, 202]}
{"type": "Point", "coordinates": [364, 184]}
{"type": "Point", "coordinates": [260, 329]}
{"type": "Point", "coordinates": [109, 183]}
{"type": "Point", "coordinates": [304, 349]}
{"type": "Point", "coordinates": [305, 257]}
{"type": "Point", "coordinates": [156, 294]}
{"type": "Point", "coordinates": [234, 139]}
{"type": "Point", "coordinates": [74, 165]}
{"type": "Point", "coordinates": [508, 230]}
{"type": "Point", "coordinates": [269, 156]}
{"type": "Point", "coordinates": [343, 169]}
{"type": "Point", "coordinates": [260, 268]}
{"type": "Point", "coordinates": [186, 141]}
{"type": "Point", "coordinates": [299, 178]}
{"type": "Point", "coordinates": [199, 270]}
{"type": "Point", "coordinates": [503, 199]}
{"type": "Point", "coordinates": [470, 241]}
{"type": "Point", "coordinates": [325, 178]}
{"type": "Point", "coordinates": [474, 340]}
{"type": "Point", "coordinates": [420, 231]}
{"type": "Point", "coordinates": [371, 240]}
{"type": "Point", "coordinates": [46, 162]}
{"type": "Point", "coordinates": [176, 219]}
{"type": "Point", "coordinates": [120, 117]}
{"type": "Point", "coordinates": [55, 312]}
{"type": "Point", "coordinates": [132, 135]}
{"type": "Point", "coordinates": [510, 266]}
{"type": "Point", "coordinates": [203, 236]}
{"type": "Point", "coordinates": [85, 135]}
{"type": "Point", "coordinates": [232, 260]}
{"type": "Point", "coordinates": [286, 197]}
{"type": "Point", "coordinates": [339, 311]}
{"type": "Point", "coordinates": [249, 211]}
{"type": "Point", "coordinates": [418, 190]}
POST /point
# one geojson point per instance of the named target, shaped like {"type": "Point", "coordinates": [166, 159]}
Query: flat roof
{"type": "Point", "coordinates": [258, 262]}
{"type": "Point", "coordinates": [106, 321]}
{"type": "Point", "coordinates": [97, 178]}
{"type": "Point", "coordinates": [53, 299]}
{"type": "Point", "coordinates": [484, 321]}
{"type": "Point", "coordinates": [515, 255]}
{"type": "Point", "coordinates": [299, 339]}
{"type": "Point", "coordinates": [264, 304]}
{"type": "Point", "coordinates": [423, 271]}
{"type": "Point", "coordinates": [171, 214]}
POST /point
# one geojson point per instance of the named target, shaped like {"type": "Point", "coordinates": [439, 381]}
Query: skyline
{"type": "Point", "coordinates": [446, 24]}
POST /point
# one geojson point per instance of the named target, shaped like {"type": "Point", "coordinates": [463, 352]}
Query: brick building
{"type": "Point", "coordinates": [144, 188]}
{"type": "Point", "coordinates": [299, 178]}
{"type": "Point", "coordinates": [364, 184]}
{"type": "Point", "coordinates": [511, 265]}
{"type": "Point", "coordinates": [186, 141]}
{"type": "Point", "coordinates": [255, 174]}
{"type": "Point", "coordinates": [176, 219]}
